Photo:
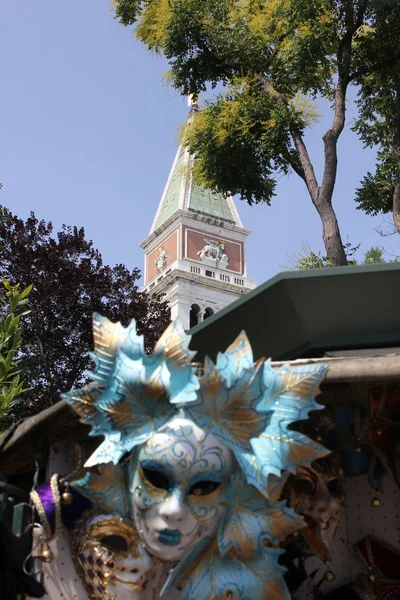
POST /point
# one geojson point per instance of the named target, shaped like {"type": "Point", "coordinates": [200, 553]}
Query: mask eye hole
{"type": "Point", "coordinates": [116, 543]}
{"type": "Point", "coordinates": [156, 479]}
{"type": "Point", "coordinates": [305, 486]}
{"type": "Point", "coordinates": [333, 485]}
{"type": "Point", "coordinates": [203, 488]}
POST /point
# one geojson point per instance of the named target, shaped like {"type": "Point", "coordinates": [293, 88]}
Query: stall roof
{"type": "Point", "coordinates": [296, 316]}
{"type": "Point", "coordinates": [59, 422]}
{"type": "Point", "coordinates": [300, 314]}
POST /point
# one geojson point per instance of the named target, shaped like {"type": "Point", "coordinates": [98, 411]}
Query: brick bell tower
{"type": "Point", "coordinates": [195, 251]}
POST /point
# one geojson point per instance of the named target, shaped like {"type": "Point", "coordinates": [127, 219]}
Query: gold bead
{"type": "Point", "coordinates": [47, 555]}
{"type": "Point", "coordinates": [379, 431]}
{"type": "Point", "coordinates": [67, 498]}
{"type": "Point", "coordinates": [371, 577]}
{"type": "Point", "coordinates": [329, 576]}
{"type": "Point", "coordinates": [376, 502]}
{"type": "Point", "coordinates": [319, 438]}
{"type": "Point", "coordinates": [358, 449]}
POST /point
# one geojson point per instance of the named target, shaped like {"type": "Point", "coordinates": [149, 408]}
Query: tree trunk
{"type": "Point", "coordinates": [396, 145]}
{"type": "Point", "coordinates": [331, 235]}
{"type": "Point", "coordinates": [322, 196]}
{"type": "Point", "coordinates": [396, 205]}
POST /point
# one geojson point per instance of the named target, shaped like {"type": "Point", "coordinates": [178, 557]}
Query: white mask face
{"type": "Point", "coordinates": [111, 559]}
{"type": "Point", "coordinates": [179, 478]}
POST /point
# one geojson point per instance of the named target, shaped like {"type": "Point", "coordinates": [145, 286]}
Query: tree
{"type": "Point", "coordinates": [377, 74]}
{"type": "Point", "coordinates": [374, 256]}
{"type": "Point", "coordinates": [70, 282]}
{"type": "Point", "coordinates": [308, 259]}
{"type": "Point", "coordinates": [274, 58]}
{"type": "Point", "coordinates": [11, 385]}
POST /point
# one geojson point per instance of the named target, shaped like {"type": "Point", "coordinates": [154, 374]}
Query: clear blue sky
{"type": "Point", "coordinates": [88, 135]}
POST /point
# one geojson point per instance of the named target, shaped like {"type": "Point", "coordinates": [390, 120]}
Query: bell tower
{"type": "Point", "coordinates": [195, 251]}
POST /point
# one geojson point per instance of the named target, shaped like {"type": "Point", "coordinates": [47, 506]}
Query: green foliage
{"type": "Point", "coordinates": [11, 385]}
{"type": "Point", "coordinates": [374, 256]}
{"type": "Point", "coordinates": [375, 195]}
{"type": "Point", "coordinates": [268, 55]}
{"type": "Point", "coordinates": [249, 123]}
{"type": "Point", "coordinates": [279, 49]}
{"type": "Point", "coordinates": [377, 75]}
{"type": "Point", "coordinates": [70, 282]}
{"type": "Point", "coordinates": [308, 259]}
{"type": "Point", "coordinates": [127, 11]}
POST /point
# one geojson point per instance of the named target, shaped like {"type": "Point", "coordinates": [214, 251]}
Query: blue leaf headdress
{"type": "Point", "coordinates": [249, 406]}
{"type": "Point", "coordinates": [133, 394]}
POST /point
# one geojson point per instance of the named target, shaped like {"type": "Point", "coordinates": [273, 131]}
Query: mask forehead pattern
{"type": "Point", "coordinates": [185, 452]}
{"type": "Point", "coordinates": [185, 457]}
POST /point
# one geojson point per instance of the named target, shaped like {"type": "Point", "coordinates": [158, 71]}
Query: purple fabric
{"type": "Point", "coordinates": [48, 503]}
{"type": "Point", "coordinates": [72, 512]}
{"type": "Point", "coordinates": [69, 512]}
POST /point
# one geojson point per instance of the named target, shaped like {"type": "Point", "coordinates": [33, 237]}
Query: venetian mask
{"type": "Point", "coordinates": [318, 498]}
{"type": "Point", "coordinates": [325, 507]}
{"type": "Point", "coordinates": [178, 479]}
{"type": "Point", "coordinates": [110, 558]}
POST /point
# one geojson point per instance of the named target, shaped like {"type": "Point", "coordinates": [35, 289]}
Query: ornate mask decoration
{"type": "Point", "coordinates": [110, 558]}
{"type": "Point", "coordinates": [206, 459]}
{"type": "Point", "coordinates": [368, 436]}
{"type": "Point", "coordinates": [316, 495]}
{"type": "Point", "coordinates": [179, 480]}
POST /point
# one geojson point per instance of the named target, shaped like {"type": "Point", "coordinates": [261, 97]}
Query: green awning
{"type": "Point", "coordinates": [307, 313]}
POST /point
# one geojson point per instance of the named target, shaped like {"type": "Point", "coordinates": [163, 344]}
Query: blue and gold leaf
{"type": "Point", "coordinates": [270, 486]}
{"type": "Point", "coordinates": [173, 349]}
{"type": "Point", "coordinates": [140, 405]}
{"type": "Point", "coordinates": [205, 575]}
{"type": "Point", "coordinates": [279, 449]}
{"type": "Point", "coordinates": [108, 339]}
{"type": "Point", "coordinates": [250, 521]}
{"type": "Point", "coordinates": [134, 394]}
{"type": "Point", "coordinates": [84, 402]}
{"type": "Point", "coordinates": [106, 489]}
{"type": "Point", "coordinates": [291, 391]}
{"type": "Point", "coordinates": [289, 398]}
{"type": "Point", "coordinates": [230, 412]}
{"type": "Point", "coordinates": [134, 410]}
{"type": "Point", "coordinates": [232, 363]}
{"type": "Point", "coordinates": [249, 467]}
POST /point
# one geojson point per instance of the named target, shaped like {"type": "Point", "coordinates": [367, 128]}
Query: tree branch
{"type": "Point", "coordinates": [331, 137]}
{"type": "Point", "coordinates": [305, 161]}
{"type": "Point", "coordinates": [396, 147]}
{"type": "Point", "coordinates": [295, 164]}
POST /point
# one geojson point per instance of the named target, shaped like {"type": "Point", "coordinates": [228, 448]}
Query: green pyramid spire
{"type": "Point", "coordinates": [171, 197]}
{"type": "Point", "coordinates": [181, 193]}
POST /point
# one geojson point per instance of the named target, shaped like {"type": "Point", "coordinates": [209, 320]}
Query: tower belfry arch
{"type": "Point", "coordinates": [195, 250]}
